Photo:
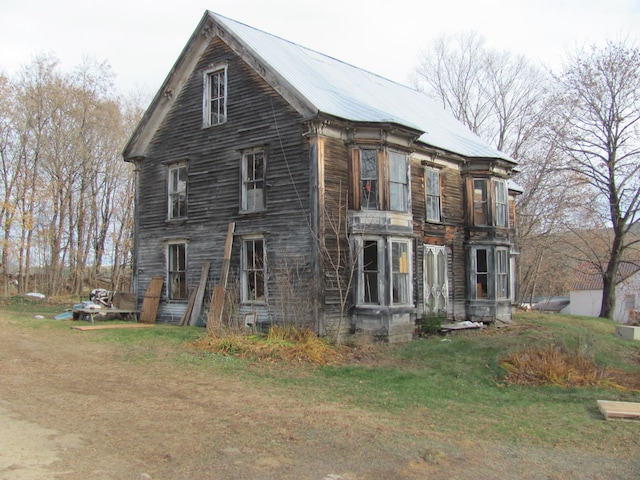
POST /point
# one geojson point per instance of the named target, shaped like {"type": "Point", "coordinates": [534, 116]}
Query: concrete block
{"type": "Point", "coordinates": [628, 332]}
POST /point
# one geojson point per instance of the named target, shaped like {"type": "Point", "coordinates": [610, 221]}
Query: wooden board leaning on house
{"type": "Point", "coordinates": [151, 300]}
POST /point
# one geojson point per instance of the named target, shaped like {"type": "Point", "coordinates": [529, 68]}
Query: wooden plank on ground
{"type": "Point", "coordinates": [106, 327]}
{"type": "Point", "coordinates": [197, 304]}
{"type": "Point", "coordinates": [151, 300]}
{"type": "Point", "coordinates": [628, 410]}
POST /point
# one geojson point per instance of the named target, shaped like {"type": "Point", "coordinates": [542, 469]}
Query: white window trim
{"type": "Point", "coordinates": [442, 288]}
{"type": "Point", "coordinates": [206, 96]}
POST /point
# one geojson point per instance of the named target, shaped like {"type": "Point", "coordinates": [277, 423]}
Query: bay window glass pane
{"type": "Point", "coordinates": [370, 271]}
{"type": "Point", "coordinates": [482, 274]}
{"type": "Point", "coordinates": [480, 201]}
{"type": "Point", "coordinates": [398, 182]}
{"type": "Point", "coordinates": [400, 272]}
{"type": "Point", "coordinates": [502, 274]}
{"type": "Point", "coordinates": [369, 179]}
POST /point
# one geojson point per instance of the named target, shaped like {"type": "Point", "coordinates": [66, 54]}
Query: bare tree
{"type": "Point", "coordinates": [598, 127]}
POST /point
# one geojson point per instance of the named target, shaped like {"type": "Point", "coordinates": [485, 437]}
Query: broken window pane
{"type": "Point", "coordinates": [177, 272]}
{"type": "Point", "coordinates": [370, 271]}
{"type": "Point", "coordinates": [177, 191]}
{"type": "Point", "coordinates": [253, 180]}
{"type": "Point", "coordinates": [482, 274]}
{"type": "Point", "coordinates": [253, 274]}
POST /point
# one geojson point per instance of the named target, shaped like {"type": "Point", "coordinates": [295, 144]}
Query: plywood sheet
{"type": "Point", "coordinates": [151, 300]}
{"type": "Point", "coordinates": [611, 409]}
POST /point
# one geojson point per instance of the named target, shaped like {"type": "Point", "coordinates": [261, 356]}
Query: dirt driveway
{"type": "Point", "coordinates": [74, 409]}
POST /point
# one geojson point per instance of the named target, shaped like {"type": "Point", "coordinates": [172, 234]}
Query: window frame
{"type": "Point", "coordinates": [401, 183]}
{"type": "Point", "coordinates": [176, 271]}
{"type": "Point", "coordinates": [407, 275]}
{"type": "Point", "coordinates": [480, 206]}
{"type": "Point", "coordinates": [174, 191]}
{"type": "Point", "coordinates": [501, 259]}
{"type": "Point", "coordinates": [246, 271]}
{"type": "Point", "coordinates": [478, 273]}
{"type": "Point", "coordinates": [434, 197]}
{"type": "Point", "coordinates": [438, 288]}
{"type": "Point", "coordinates": [211, 97]}
{"type": "Point", "coordinates": [502, 203]}
{"type": "Point", "coordinates": [248, 156]}
{"type": "Point", "coordinates": [369, 183]}
{"type": "Point", "coordinates": [362, 271]}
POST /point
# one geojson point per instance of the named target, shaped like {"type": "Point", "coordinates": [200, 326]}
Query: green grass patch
{"type": "Point", "coordinates": [453, 385]}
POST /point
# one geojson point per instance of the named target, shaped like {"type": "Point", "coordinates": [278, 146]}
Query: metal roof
{"type": "Point", "coordinates": [338, 89]}
{"type": "Point", "coordinates": [587, 277]}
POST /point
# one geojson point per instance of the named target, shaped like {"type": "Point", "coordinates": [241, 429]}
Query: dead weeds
{"type": "Point", "coordinates": [554, 365]}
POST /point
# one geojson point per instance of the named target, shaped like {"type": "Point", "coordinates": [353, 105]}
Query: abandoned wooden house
{"type": "Point", "coordinates": [358, 203]}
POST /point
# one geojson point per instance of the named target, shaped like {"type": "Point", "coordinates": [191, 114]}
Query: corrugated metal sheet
{"type": "Point", "coordinates": [342, 90]}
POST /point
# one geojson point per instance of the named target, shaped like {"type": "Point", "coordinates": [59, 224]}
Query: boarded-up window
{"type": "Point", "coordinates": [177, 271]}
{"type": "Point", "coordinates": [433, 195]}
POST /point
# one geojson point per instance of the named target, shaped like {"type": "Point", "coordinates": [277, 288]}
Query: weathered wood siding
{"type": "Point", "coordinates": [256, 115]}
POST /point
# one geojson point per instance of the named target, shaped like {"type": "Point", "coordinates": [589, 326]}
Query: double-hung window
{"type": "Point", "coordinates": [502, 273]}
{"type": "Point", "coordinates": [253, 171]}
{"type": "Point", "coordinates": [177, 271]}
{"type": "Point", "coordinates": [400, 261]}
{"type": "Point", "coordinates": [177, 191]}
{"type": "Point", "coordinates": [480, 201]}
{"type": "Point", "coordinates": [433, 194]}
{"type": "Point", "coordinates": [502, 218]}
{"type": "Point", "coordinates": [398, 182]}
{"type": "Point", "coordinates": [253, 275]}
{"type": "Point", "coordinates": [215, 97]}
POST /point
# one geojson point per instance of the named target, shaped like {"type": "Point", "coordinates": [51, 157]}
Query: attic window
{"type": "Point", "coordinates": [215, 97]}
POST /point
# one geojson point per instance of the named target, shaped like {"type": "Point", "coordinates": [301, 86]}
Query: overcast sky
{"type": "Point", "coordinates": [142, 39]}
